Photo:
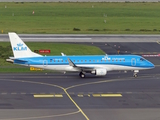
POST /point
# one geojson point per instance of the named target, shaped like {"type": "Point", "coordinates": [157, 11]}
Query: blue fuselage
{"type": "Point", "coordinates": [109, 62]}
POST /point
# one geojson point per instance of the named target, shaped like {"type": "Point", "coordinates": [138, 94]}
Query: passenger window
{"type": "Point", "coordinates": [85, 60]}
{"type": "Point", "coordinates": [62, 60]}
{"type": "Point", "coordinates": [81, 60]}
{"type": "Point", "coordinates": [112, 59]}
{"type": "Point", "coordinates": [58, 60]}
{"type": "Point", "coordinates": [93, 60]}
{"type": "Point", "coordinates": [77, 60]}
{"type": "Point", "coordinates": [116, 60]}
{"type": "Point", "coordinates": [97, 60]}
{"type": "Point", "coordinates": [66, 60]}
{"type": "Point", "coordinates": [50, 60]}
{"type": "Point", "coordinates": [74, 60]}
{"type": "Point", "coordinates": [89, 60]}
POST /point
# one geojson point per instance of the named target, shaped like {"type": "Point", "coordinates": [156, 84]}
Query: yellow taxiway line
{"type": "Point", "coordinates": [58, 95]}
{"type": "Point", "coordinates": [107, 95]}
{"type": "Point", "coordinates": [80, 95]}
{"type": "Point", "coordinates": [48, 96]}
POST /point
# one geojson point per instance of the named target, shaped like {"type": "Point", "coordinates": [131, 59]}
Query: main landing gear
{"type": "Point", "coordinates": [135, 73]}
{"type": "Point", "coordinates": [82, 75]}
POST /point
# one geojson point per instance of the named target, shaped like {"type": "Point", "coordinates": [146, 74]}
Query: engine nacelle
{"type": "Point", "coordinates": [99, 72]}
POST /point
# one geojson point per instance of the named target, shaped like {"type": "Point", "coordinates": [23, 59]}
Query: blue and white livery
{"type": "Point", "coordinates": [98, 65]}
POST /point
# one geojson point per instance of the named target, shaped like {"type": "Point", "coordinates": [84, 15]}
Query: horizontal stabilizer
{"type": "Point", "coordinates": [10, 60]}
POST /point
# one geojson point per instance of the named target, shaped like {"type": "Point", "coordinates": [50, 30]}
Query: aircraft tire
{"type": "Point", "coordinates": [135, 75]}
{"type": "Point", "coordinates": [82, 75]}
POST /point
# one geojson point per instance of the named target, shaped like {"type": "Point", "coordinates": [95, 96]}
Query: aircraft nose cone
{"type": "Point", "coordinates": [151, 65]}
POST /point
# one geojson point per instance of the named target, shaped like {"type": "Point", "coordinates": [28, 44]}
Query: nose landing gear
{"type": "Point", "coordinates": [135, 73]}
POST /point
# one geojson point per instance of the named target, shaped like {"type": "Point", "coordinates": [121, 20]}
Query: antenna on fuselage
{"type": "Point", "coordinates": [106, 55]}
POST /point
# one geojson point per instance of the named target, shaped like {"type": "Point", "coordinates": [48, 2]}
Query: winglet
{"type": "Point", "coordinates": [63, 54]}
{"type": "Point", "coordinates": [71, 63]}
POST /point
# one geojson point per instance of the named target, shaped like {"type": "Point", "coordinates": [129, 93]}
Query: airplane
{"type": "Point", "coordinates": [97, 65]}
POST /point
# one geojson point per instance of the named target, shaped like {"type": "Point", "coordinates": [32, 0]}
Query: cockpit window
{"type": "Point", "coordinates": [142, 59]}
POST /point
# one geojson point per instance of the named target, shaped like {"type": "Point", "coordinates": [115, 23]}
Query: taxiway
{"type": "Point", "coordinates": [118, 95]}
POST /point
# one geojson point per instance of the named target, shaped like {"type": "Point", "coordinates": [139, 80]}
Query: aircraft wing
{"type": "Point", "coordinates": [85, 68]}
{"type": "Point", "coordinates": [82, 68]}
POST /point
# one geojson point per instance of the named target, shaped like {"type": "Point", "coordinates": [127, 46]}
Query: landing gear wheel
{"type": "Point", "coordinates": [82, 75]}
{"type": "Point", "coordinates": [135, 75]}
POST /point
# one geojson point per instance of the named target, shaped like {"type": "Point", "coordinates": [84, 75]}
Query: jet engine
{"type": "Point", "coordinates": [99, 72]}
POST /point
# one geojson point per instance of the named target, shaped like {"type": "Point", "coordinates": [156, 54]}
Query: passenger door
{"type": "Point", "coordinates": [45, 62]}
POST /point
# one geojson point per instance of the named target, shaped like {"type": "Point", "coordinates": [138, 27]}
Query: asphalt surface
{"type": "Point", "coordinates": [83, 38]}
{"type": "Point", "coordinates": [138, 95]}
{"type": "Point", "coordinates": [116, 96]}
{"type": "Point", "coordinates": [79, 0]}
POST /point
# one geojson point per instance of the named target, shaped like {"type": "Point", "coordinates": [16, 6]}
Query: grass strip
{"type": "Point", "coordinates": [77, 18]}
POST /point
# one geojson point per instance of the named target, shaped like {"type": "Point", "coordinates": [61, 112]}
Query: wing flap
{"type": "Point", "coordinates": [86, 68]}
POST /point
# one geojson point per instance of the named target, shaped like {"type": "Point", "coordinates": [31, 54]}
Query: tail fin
{"type": "Point", "coordinates": [19, 48]}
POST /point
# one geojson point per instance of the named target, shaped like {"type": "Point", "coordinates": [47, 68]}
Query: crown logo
{"type": "Point", "coordinates": [19, 44]}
